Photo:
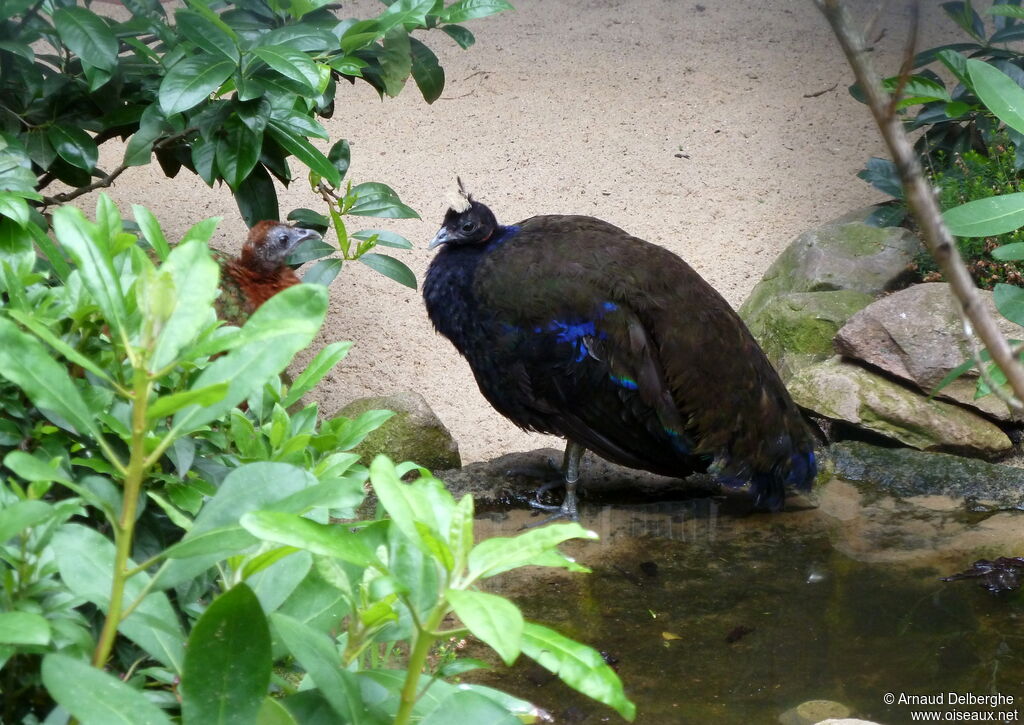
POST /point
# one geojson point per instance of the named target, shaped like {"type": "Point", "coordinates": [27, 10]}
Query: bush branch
{"type": "Point", "coordinates": [921, 199]}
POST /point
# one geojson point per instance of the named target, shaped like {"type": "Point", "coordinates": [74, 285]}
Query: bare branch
{"type": "Point", "coordinates": [921, 199]}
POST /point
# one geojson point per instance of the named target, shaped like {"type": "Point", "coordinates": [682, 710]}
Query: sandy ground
{"type": "Point", "coordinates": [720, 130]}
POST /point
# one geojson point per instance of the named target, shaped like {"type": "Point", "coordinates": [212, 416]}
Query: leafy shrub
{"type": "Point", "coordinates": [231, 91]}
{"type": "Point", "coordinates": [162, 547]}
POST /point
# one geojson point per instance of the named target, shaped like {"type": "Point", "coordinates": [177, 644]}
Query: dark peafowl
{"type": "Point", "coordinates": [573, 327]}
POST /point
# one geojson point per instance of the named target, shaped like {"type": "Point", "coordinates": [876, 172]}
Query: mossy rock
{"type": "Point", "coordinates": [845, 254]}
{"type": "Point", "coordinates": [414, 433]}
{"type": "Point", "coordinates": [801, 325]}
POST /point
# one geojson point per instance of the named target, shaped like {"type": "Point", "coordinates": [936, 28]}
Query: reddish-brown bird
{"type": "Point", "coordinates": [247, 281]}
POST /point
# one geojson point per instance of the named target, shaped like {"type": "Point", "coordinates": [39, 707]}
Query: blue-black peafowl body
{"type": "Point", "coordinates": [573, 327]}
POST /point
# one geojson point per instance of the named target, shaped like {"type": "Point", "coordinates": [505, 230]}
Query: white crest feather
{"type": "Point", "coordinates": [458, 199]}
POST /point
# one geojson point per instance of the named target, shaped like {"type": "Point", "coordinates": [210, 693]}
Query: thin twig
{"type": "Point", "coordinates": [107, 179]}
{"type": "Point", "coordinates": [997, 389]}
{"type": "Point", "coordinates": [921, 200]}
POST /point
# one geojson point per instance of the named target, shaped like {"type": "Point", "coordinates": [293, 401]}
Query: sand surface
{"type": "Point", "coordinates": [719, 130]}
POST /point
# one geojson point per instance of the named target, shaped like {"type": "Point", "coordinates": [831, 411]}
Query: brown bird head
{"type": "Point", "coordinates": [270, 242]}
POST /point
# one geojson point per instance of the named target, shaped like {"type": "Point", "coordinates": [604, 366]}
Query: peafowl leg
{"type": "Point", "coordinates": [570, 475]}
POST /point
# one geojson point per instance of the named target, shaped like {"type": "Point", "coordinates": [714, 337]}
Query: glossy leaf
{"type": "Point", "coordinates": [999, 93]}
{"type": "Point", "coordinates": [986, 217]}
{"type": "Point", "coordinates": [426, 71]}
{"type": "Point", "coordinates": [257, 197]}
{"type": "Point", "coordinates": [206, 34]}
{"type": "Point", "coordinates": [24, 628]}
{"type": "Point", "coordinates": [1009, 301]}
{"type": "Point", "coordinates": [467, 706]}
{"type": "Point", "coordinates": [499, 554]}
{"type": "Point", "coordinates": [170, 404]}
{"type": "Point", "coordinates": [74, 146]}
{"type": "Point", "coordinates": [150, 228]}
{"type": "Point", "coordinates": [492, 619]}
{"type": "Point", "coordinates": [31, 468]}
{"type": "Point", "coordinates": [341, 156]}
{"type": "Point", "coordinates": [238, 150]}
{"type": "Point", "coordinates": [291, 63]}
{"type": "Point", "coordinates": [391, 268]}
{"type": "Point", "coordinates": [395, 61]}
{"type": "Point", "coordinates": [192, 80]}
{"type": "Point", "coordinates": [85, 559]}
{"type": "Point", "coordinates": [25, 362]}
{"type": "Point", "coordinates": [379, 200]}
{"type": "Point", "coordinates": [319, 657]}
{"type": "Point", "coordinates": [405, 13]}
{"type": "Point", "coordinates": [304, 151]}
{"type": "Point", "coordinates": [87, 36]}
{"type": "Point", "coordinates": [228, 661]}
{"type": "Point", "coordinates": [323, 272]}
{"type": "Point", "coordinates": [334, 540]}
{"type": "Point", "coordinates": [194, 275]}
{"type": "Point", "coordinates": [577, 665]}
{"type": "Point", "coordinates": [283, 325]}
{"type": "Point", "coordinates": [17, 517]}
{"type": "Point", "coordinates": [95, 697]}
{"type": "Point", "coordinates": [465, 10]}
{"type": "Point", "coordinates": [383, 238]}
{"type": "Point", "coordinates": [1009, 252]}
{"type": "Point", "coordinates": [318, 367]}
{"type": "Point", "coordinates": [463, 36]}
{"type": "Point", "coordinates": [82, 241]}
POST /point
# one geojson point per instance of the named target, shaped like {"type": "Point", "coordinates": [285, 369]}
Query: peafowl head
{"type": "Point", "coordinates": [270, 242]}
{"type": "Point", "coordinates": [466, 222]}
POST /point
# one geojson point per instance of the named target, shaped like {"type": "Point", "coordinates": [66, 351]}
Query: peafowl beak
{"type": "Point", "coordinates": [442, 237]}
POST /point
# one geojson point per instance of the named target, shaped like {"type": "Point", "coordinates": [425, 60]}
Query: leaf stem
{"type": "Point", "coordinates": [124, 528]}
{"type": "Point", "coordinates": [417, 659]}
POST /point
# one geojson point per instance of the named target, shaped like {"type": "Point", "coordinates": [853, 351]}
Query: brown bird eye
{"type": "Point", "coordinates": [467, 227]}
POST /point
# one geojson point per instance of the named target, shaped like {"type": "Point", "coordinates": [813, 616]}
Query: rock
{"type": "Point", "coordinates": [845, 254]}
{"type": "Point", "coordinates": [905, 473]}
{"type": "Point", "coordinates": [813, 711]}
{"type": "Point", "coordinates": [414, 433]}
{"type": "Point", "coordinates": [916, 334]}
{"type": "Point", "coordinates": [516, 476]}
{"type": "Point", "coordinates": [845, 392]}
{"type": "Point", "coordinates": [798, 328]}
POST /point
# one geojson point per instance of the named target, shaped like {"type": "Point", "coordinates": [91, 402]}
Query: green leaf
{"type": "Point", "coordinates": [272, 712]}
{"type": "Point", "coordinates": [578, 666]}
{"type": "Point", "coordinates": [238, 150]}
{"type": "Point", "coordinates": [957, 64]}
{"type": "Point", "coordinates": [25, 362]}
{"type": "Point", "coordinates": [318, 367]}
{"type": "Point", "coordinates": [460, 35]}
{"type": "Point", "coordinates": [304, 151]}
{"type": "Point", "coordinates": [319, 657]}
{"type": "Point", "coordinates": [341, 156]}
{"type": "Point", "coordinates": [1009, 301]}
{"type": "Point", "coordinates": [391, 268]}
{"type": "Point", "coordinates": [379, 200]}
{"type": "Point", "coordinates": [95, 697]}
{"type": "Point", "coordinates": [206, 34]}
{"type": "Point", "coordinates": [1009, 252]}
{"type": "Point", "coordinates": [194, 275]}
{"type": "Point", "coordinates": [999, 93]}
{"type": "Point", "coordinates": [291, 63]}
{"type": "Point", "coordinates": [150, 228]}
{"type": "Point", "coordinates": [467, 706]}
{"type": "Point", "coordinates": [85, 559]}
{"type": "Point", "coordinates": [87, 36]}
{"type": "Point", "coordinates": [24, 628]}
{"type": "Point", "coordinates": [21, 515]}
{"type": "Point", "coordinates": [74, 146]}
{"type": "Point", "coordinates": [192, 80]}
{"type": "Point", "coordinates": [499, 554]}
{"type": "Point", "coordinates": [14, 207]}
{"type": "Point", "coordinates": [405, 13]}
{"type": "Point", "coordinates": [170, 404]}
{"type": "Point", "coordinates": [283, 325]}
{"type": "Point", "coordinates": [257, 197]}
{"type": "Point", "coordinates": [228, 661]}
{"type": "Point", "coordinates": [222, 542]}
{"type": "Point", "coordinates": [493, 619]}
{"type": "Point", "coordinates": [426, 71]}
{"type": "Point", "coordinates": [334, 540]}
{"type": "Point", "coordinates": [83, 241]}
{"type": "Point", "coordinates": [31, 468]}
{"type": "Point", "coordinates": [324, 272]}
{"type": "Point", "coordinates": [383, 237]}
{"type": "Point", "coordinates": [465, 10]}
{"type": "Point", "coordinates": [395, 61]}
{"type": "Point", "coordinates": [986, 217]}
